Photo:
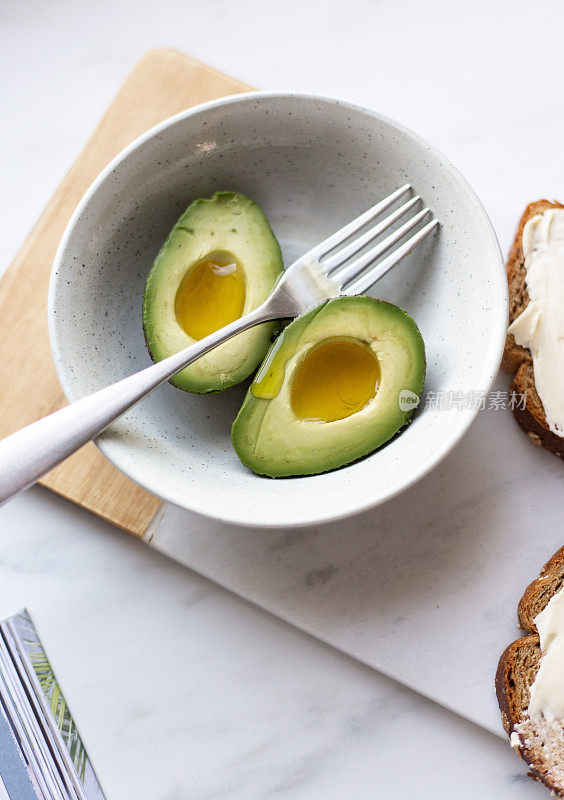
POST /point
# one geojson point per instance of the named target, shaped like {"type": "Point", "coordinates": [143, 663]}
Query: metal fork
{"type": "Point", "coordinates": [327, 270]}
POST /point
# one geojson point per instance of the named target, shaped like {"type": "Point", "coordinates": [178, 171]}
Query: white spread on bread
{"type": "Point", "coordinates": [515, 740]}
{"type": "Point", "coordinates": [540, 327]}
{"type": "Point", "coordinates": [547, 691]}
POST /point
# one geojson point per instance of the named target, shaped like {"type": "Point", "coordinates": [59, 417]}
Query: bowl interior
{"type": "Point", "coordinates": [312, 165]}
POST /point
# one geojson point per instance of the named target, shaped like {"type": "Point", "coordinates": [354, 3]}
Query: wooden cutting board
{"type": "Point", "coordinates": [161, 84]}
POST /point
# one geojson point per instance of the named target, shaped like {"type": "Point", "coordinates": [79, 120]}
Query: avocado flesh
{"type": "Point", "coordinates": [226, 223]}
{"type": "Point", "coordinates": [272, 440]}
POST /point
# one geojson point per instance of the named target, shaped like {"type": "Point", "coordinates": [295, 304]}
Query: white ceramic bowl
{"type": "Point", "coordinates": [312, 164]}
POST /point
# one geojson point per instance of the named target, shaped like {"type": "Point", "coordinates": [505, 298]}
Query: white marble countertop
{"type": "Point", "coordinates": [181, 690]}
{"type": "Point", "coordinates": [207, 696]}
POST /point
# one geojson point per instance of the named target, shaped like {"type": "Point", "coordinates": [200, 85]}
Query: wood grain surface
{"type": "Point", "coordinates": [161, 84]}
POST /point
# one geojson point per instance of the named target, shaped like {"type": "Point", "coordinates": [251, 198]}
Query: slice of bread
{"type": "Point", "coordinates": [539, 741]}
{"type": "Point", "coordinates": [517, 361]}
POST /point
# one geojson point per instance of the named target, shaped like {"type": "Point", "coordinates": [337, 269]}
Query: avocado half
{"type": "Point", "coordinates": [230, 223]}
{"type": "Point", "coordinates": [271, 439]}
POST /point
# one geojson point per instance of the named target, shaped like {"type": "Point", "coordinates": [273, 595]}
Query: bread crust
{"type": "Point", "coordinates": [538, 593]}
{"type": "Point", "coordinates": [517, 360]}
{"type": "Point", "coordinates": [518, 664]}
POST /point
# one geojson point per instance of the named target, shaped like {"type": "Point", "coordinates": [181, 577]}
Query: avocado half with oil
{"type": "Point", "coordinates": [339, 382]}
{"type": "Point", "coordinates": [220, 261]}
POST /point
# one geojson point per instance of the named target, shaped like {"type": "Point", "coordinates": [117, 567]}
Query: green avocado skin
{"type": "Point", "coordinates": [226, 221]}
{"type": "Point", "coordinates": [272, 441]}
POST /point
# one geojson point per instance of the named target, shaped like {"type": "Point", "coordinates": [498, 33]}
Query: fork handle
{"type": "Point", "coordinates": [34, 450]}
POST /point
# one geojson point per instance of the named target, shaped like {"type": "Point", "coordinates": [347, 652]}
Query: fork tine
{"type": "Point", "coordinates": [337, 238]}
{"type": "Point", "coordinates": [338, 258]}
{"type": "Point", "coordinates": [353, 270]}
{"type": "Point", "coordinates": [369, 278]}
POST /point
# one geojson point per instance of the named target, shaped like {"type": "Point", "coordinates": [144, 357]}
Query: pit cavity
{"type": "Point", "coordinates": [337, 378]}
{"type": "Point", "coordinates": [211, 294]}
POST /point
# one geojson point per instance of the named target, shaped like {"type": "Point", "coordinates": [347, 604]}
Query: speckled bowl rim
{"type": "Point", "coordinates": [490, 364]}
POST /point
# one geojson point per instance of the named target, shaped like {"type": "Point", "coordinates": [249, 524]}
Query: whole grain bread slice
{"type": "Point", "coordinates": [517, 360]}
{"type": "Point", "coordinates": [540, 742]}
